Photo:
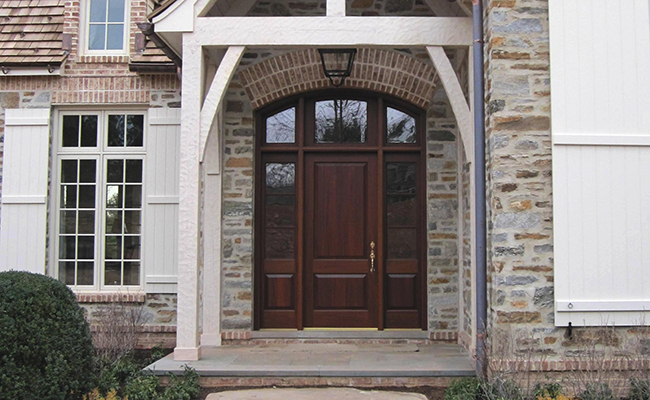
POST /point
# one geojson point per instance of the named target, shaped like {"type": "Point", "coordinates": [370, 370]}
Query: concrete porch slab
{"type": "Point", "coordinates": [326, 360]}
{"type": "Point", "coordinates": [313, 394]}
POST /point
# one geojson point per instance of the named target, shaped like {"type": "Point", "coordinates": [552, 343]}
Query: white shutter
{"type": "Point", "coordinates": [161, 212]}
{"type": "Point", "coordinates": [600, 100]}
{"type": "Point", "coordinates": [24, 190]}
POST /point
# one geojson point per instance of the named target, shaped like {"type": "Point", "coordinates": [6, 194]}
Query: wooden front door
{"type": "Point", "coordinates": [340, 235]}
{"type": "Point", "coordinates": [340, 179]}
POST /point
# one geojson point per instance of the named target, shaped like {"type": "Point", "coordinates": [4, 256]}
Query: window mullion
{"type": "Point", "coordinates": [101, 220]}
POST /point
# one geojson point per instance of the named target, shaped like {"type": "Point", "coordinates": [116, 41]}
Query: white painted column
{"type": "Point", "coordinates": [187, 343]}
{"type": "Point", "coordinates": [211, 335]}
{"type": "Point", "coordinates": [335, 8]}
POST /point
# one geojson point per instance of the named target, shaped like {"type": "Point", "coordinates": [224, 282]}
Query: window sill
{"type": "Point", "coordinates": [102, 59]}
{"type": "Point", "coordinates": [138, 297]}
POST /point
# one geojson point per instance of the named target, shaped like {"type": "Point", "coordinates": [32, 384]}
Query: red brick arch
{"type": "Point", "coordinates": [378, 70]}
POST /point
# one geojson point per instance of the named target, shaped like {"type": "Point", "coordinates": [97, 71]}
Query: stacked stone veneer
{"type": "Point", "coordinates": [466, 276]}
{"type": "Point", "coordinates": [263, 70]}
{"type": "Point", "coordinates": [520, 242]}
{"type": "Point", "coordinates": [93, 82]}
{"type": "Point", "coordinates": [157, 313]}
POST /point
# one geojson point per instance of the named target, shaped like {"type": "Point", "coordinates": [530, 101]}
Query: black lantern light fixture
{"type": "Point", "coordinates": [337, 64]}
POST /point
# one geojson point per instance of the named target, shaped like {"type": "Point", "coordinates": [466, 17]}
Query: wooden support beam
{"type": "Point", "coordinates": [333, 31]}
{"type": "Point", "coordinates": [456, 97]}
{"type": "Point", "coordinates": [217, 91]}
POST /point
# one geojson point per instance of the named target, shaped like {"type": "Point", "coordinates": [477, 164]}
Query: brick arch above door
{"type": "Point", "coordinates": [378, 70]}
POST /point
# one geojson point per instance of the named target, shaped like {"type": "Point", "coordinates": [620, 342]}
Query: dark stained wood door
{"type": "Point", "coordinates": [340, 223]}
{"type": "Point", "coordinates": [335, 171]}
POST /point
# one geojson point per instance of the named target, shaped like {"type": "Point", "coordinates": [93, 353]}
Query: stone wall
{"type": "Point", "coordinates": [520, 225]}
{"type": "Point", "coordinates": [237, 209]}
{"type": "Point", "coordinates": [442, 217]}
{"type": "Point", "coordinates": [238, 178]}
{"type": "Point", "coordinates": [520, 243]}
{"type": "Point", "coordinates": [466, 276]}
{"type": "Point", "coordinates": [157, 312]}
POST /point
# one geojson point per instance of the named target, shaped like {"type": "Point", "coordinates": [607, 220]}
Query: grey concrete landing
{"type": "Point", "coordinates": [327, 360]}
{"type": "Point", "coordinates": [313, 394]}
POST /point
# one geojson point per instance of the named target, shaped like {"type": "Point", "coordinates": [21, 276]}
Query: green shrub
{"type": "Point", "coordinates": [46, 347]}
{"type": "Point", "coordinates": [463, 389]}
{"type": "Point", "coordinates": [142, 387]}
{"type": "Point", "coordinates": [639, 389]}
{"type": "Point", "coordinates": [114, 375]}
{"type": "Point", "coordinates": [597, 391]}
{"type": "Point", "coordinates": [183, 388]}
{"type": "Point", "coordinates": [551, 390]}
{"type": "Point", "coordinates": [500, 389]}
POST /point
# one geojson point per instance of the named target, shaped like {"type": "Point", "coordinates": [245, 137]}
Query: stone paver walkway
{"type": "Point", "coordinates": [313, 394]}
{"type": "Point", "coordinates": [327, 360]}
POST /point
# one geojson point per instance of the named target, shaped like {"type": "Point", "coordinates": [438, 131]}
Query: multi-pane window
{"type": "Point", "coordinates": [106, 24]}
{"type": "Point", "coordinates": [100, 171]}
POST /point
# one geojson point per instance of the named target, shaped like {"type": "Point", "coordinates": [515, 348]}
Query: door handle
{"type": "Point", "coordinates": [372, 256]}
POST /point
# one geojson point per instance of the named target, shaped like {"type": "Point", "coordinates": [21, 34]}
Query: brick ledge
{"type": "Point", "coordinates": [145, 328]}
{"type": "Point", "coordinates": [97, 59]}
{"type": "Point", "coordinates": [111, 297]}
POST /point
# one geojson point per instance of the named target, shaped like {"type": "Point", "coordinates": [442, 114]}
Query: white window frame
{"type": "Point", "coordinates": [84, 31]}
{"type": "Point", "coordinates": [101, 153]}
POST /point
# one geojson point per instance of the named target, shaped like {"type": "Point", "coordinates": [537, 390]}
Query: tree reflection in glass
{"type": "Point", "coordinates": [281, 127]}
{"type": "Point", "coordinates": [401, 127]}
{"type": "Point", "coordinates": [280, 178]}
{"type": "Point", "coordinates": [341, 121]}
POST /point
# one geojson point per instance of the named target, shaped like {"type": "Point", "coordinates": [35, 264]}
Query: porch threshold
{"type": "Point", "coordinates": [339, 334]}
{"type": "Point", "coordinates": [327, 360]}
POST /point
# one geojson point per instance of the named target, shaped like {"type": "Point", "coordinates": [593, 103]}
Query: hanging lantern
{"type": "Point", "coordinates": [337, 64]}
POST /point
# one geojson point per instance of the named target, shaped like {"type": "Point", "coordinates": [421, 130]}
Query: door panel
{"type": "Point", "coordinates": [339, 199]}
{"type": "Point", "coordinates": [340, 223]}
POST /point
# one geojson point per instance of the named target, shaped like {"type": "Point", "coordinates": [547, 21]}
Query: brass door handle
{"type": "Point", "coordinates": [372, 256]}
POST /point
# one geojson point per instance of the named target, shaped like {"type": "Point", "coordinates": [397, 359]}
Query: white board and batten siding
{"type": "Point", "coordinates": [24, 190]}
{"type": "Point", "coordinates": [161, 216]}
{"type": "Point", "coordinates": [600, 100]}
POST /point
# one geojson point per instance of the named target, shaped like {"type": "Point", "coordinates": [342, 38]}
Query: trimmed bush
{"type": "Point", "coordinates": [597, 391]}
{"type": "Point", "coordinates": [463, 389]}
{"type": "Point", "coordinates": [46, 349]}
{"type": "Point", "coordinates": [639, 389]}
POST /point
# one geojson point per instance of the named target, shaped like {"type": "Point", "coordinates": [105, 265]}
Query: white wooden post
{"type": "Point", "coordinates": [187, 344]}
{"type": "Point", "coordinates": [335, 8]}
{"type": "Point", "coordinates": [211, 335]}
{"type": "Point", "coordinates": [217, 91]}
{"type": "Point", "coordinates": [449, 79]}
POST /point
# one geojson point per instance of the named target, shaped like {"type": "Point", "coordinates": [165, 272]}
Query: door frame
{"type": "Point", "coordinates": [298, 150]}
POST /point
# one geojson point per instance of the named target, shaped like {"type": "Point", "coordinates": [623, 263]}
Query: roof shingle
{"type": "Point", "coordinates": [31, 32]}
